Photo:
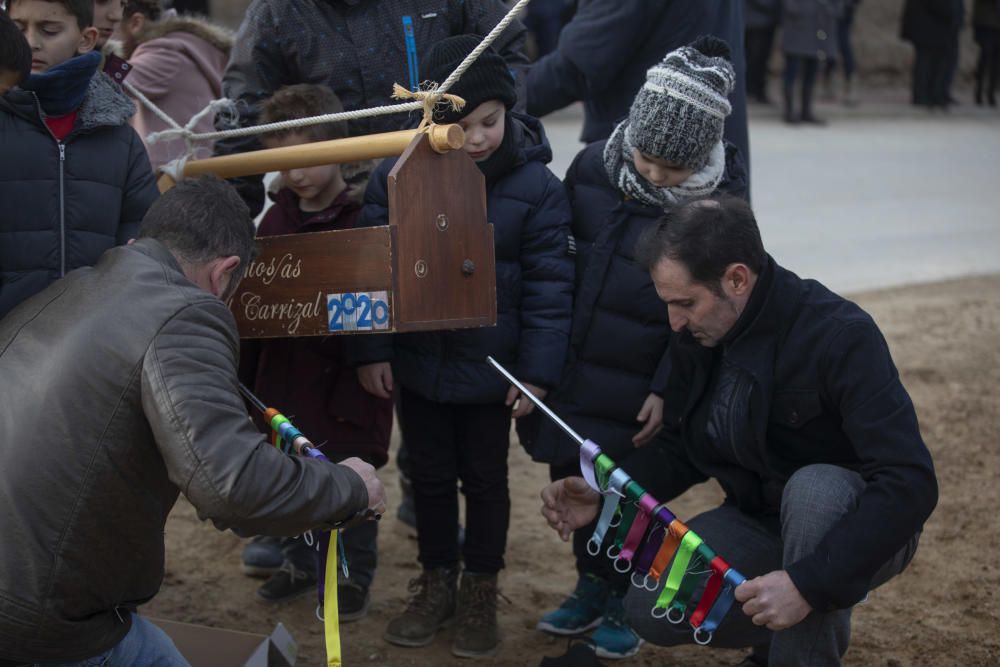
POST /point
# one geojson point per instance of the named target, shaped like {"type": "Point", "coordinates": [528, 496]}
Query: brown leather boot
{"type": "Point", "coordinates": [477, 634]}
{"type": "Point", "coordinates": [430, 608]}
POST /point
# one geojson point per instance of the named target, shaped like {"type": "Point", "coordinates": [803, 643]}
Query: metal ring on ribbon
{"type": "Point", "coordinates": [671, 618]}
{"type": "Point", "coordinates": [658, 616]}
{"type": "Point", "coordinates": [616, 520]}
{"type": "Point", "coordinates": [641, 584]}
{"type": "Point", "coordinates": [593, 543]}
{"type": "Point", "coordinates": [627, 561]}
{"type": "Point", "coordinates": [702, 642]}
{"type": "Point", "coordinates": [615, 555]}
{"type": "Point", "coordinates": [319, 613]}
{"type": "Point", "coordinates": [307, 537]}
{"type": "Point", "coordinates": [646, 580]}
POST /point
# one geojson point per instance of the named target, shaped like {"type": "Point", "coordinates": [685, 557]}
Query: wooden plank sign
{"type": "Point", "coordinates": [432, 267]}
{"type": "Point", "coordinates": [317, 284]}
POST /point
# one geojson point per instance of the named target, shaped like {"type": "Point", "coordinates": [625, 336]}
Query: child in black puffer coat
{"type": "Point", "coordinates": [455, 410]}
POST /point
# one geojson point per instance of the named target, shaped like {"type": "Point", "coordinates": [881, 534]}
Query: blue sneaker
{"type": "Point", "coordinates": [262, 556]}
{"type": "Point", "coordinates": [581, 611]}
{"type": "Point", "coordinates": [614, 639]}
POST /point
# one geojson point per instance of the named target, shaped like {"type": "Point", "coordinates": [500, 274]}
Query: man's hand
{"type": "Point", "coordinates": [652, 414]}
{"type": "Point", "coordinates": [524, 405]}
{"type": "Point", "coordinates": [376, 379]}
{"type": "Point", "coordinates": [773, 601]}
{"type": "Point", "coordinates": [569, 504]}
{"type": "Point", "coordinates": [376, 492]}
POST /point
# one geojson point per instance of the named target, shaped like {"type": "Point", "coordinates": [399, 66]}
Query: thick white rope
{"type": "Point", "coordinates": [146, 102]}
{"type": "Point", "coordinates": [190, 136]}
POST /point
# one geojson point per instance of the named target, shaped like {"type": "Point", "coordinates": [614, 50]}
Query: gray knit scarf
{"type": "Point", "coordinates": [621, 169]}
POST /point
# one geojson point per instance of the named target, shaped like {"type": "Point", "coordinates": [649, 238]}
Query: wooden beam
{"type": "Point", "coordinates": [442, 138]}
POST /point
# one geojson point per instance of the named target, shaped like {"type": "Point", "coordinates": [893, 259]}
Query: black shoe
{"type": "Point", "coordinates": [352, 601]}
{"type": "Point", "coordinates": [288, 583]}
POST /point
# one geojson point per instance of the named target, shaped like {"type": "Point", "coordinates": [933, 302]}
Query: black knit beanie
{"type": "Point", "coordinates": [487, 79]}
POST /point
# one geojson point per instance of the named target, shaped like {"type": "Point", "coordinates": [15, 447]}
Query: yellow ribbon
{"type": "Point", "coordinates": [331, 613]}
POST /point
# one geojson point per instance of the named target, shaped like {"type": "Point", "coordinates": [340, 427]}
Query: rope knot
{"type": "Point", "coordinates": [429, 96]}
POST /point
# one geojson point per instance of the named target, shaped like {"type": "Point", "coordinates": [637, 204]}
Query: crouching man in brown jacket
{"type": "Point", "coordinates": [118, 390]}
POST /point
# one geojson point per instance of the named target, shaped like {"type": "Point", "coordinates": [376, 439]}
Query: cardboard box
{"type": "Point", "coordinates": [203, 646]}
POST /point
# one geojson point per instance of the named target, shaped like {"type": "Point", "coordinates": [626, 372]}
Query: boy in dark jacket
{"type": "Point", "coordinates": [455, 409]}
{"type": "Point", "coordinates": [310, 375]}
{"type": "Point", "coordinates": [669, 150]}
{"type": "Point", "coordinates": [15, 55]}
{"type": "Point", "coordinates": [69, 150]}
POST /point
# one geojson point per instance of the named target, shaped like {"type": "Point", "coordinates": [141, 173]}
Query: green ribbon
{"type": "Point", "coordinates": [678, 569]}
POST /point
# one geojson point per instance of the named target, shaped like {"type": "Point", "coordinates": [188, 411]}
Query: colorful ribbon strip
{"type": "Point", "coordinates": [649, 538]}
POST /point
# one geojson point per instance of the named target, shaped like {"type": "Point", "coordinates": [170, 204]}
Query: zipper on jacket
{"type": "Point", "coordinates": [62, 210]}
{"type": "Point", "coordinates": [411, 53]}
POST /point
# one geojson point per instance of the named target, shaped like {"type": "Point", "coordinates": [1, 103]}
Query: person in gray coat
{"type": "Point", "coordinates": [809, 36]}
{"type": "Point", "coordinates": [125, 395]}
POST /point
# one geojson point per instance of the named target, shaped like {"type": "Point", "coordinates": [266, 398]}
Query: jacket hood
{"type": "Point", "coordinates": [533, 144]}
{"type": "Point", "coordinates": [104, 105]}
{"type": "Point", "coordinates": [216, 36]}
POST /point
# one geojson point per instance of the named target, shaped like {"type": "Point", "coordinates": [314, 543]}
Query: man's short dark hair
{"type": "Point", "coordinates": [303, 100]}
{"type": "Point", "coordinates": [15, 54]}
{"type": "Point", "coordinates": [200, 219]}
{"type": "Point", "coordinates": [705, 235]}
{"type": "Point", "coordinates": [83, 10]}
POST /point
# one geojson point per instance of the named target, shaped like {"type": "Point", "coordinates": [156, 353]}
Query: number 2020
{"type": "Point", "coordinates": [359, 311]}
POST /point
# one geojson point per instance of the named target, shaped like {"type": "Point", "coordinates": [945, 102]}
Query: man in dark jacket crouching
{"type": "Point", "coordinates": [786, 394]}
{"type": "Point", "coordinates": [119, 390]}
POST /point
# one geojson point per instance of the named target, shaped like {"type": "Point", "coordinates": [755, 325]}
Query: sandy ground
{"type": "Point", "coordinates": [944, 610]}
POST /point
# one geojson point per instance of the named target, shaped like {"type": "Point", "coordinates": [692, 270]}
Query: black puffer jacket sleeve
{"type": "Point", "coordinates": [140, 191]}
{"type": "Point", "coordinates": [662, 467]}
{"type": "Point", "coordinates": [547, 274]}
{"type": "Point", "coordinates": [593, 49]}
{"type": "Point", "coordinates": [210, 448]}
{"type": "Point", "coordinates": [257, 67]}
{"type": "Point", "coordinates": [901, 487]}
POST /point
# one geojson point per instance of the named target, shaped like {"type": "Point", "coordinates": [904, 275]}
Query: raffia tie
{"type": "Point", "coordinates": [430, 98]}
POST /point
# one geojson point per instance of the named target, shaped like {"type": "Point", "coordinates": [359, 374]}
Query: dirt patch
{"type": "Point", "coordinates": [944, 610]}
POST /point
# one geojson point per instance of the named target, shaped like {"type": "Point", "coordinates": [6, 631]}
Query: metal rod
{"type": "Point", "coordinates": [537, 401]}
{"type": "Point", "coordinates": [257, 403]}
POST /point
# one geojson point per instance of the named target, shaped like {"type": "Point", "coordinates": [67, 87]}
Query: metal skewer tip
{"type": "Point", "coordinates": [534, 399]}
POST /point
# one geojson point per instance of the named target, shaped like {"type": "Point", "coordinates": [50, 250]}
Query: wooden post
{"type": "Point", "coordinates": [442, 138]}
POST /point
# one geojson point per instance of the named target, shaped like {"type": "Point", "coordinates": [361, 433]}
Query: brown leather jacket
{"type": "Point", "coordinates": [117, 390]}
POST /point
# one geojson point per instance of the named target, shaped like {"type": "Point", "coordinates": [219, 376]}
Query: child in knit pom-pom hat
{"type": "Point", "coordinates": [455, 411]}
{"type": "Point", "coordinates": [668, 150]}
{"type": "Point", "coordinates": [670, 147]}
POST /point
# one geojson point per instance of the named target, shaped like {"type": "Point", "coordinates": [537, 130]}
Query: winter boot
{"type": "Point", "coordinates": [583, 610]}
{"type": "Point", "coordinates": [787, 93]}
{"type": "Point", "coordinates": [288, 583]}
{"type": "Point", "coordinates": [613, 638]}
{"type": "Point", "coordinates": [807, 106]}
{"type": "Point", "coordinates": [430, 608]}
{"type": "Point", "coordinates": [850, 96]}
{"type": "Point", "coordinates": [477, 634]}
{"type": "Point", "coordinates": [262, 556]}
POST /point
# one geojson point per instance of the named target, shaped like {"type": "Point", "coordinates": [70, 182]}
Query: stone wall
{"type": "Point", "coordinates": [883, 57]}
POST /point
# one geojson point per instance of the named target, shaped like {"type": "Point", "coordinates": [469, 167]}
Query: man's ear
{"type": "Point", "coordinates": [88, 39]}
{"type": "Point", "coordinates": [736, 280]}
{"type": "Point", "coordinates": [224, 273]}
